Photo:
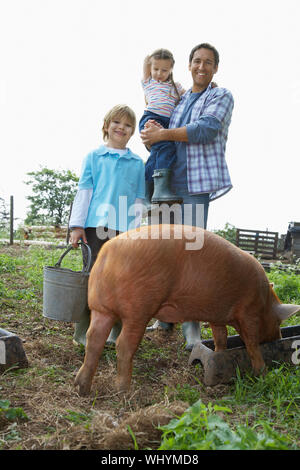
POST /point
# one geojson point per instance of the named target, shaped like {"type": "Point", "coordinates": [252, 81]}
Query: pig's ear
{"type": "Point", "coordinates": [284, 311]}
{"type": "Point", "coordinates": [272, 284]}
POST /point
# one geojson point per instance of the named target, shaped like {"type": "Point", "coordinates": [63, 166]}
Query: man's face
{"type": "Point", "coordinates": [202, 68]}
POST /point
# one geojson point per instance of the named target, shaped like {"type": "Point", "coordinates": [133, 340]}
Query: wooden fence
{"type": "Point", "coordinates": [44, 232]}
{"type": "Point", "coordinates": [258, 242]}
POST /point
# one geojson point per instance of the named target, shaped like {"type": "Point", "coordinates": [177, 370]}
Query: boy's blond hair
{"type": "Point", "coordinates": [118, 111]}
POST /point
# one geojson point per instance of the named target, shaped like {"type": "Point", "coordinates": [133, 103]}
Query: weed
{"type": "Point", "coordinates": [77, 417]}
{"type": "Point", "coordinates": [136, 447]}
{"type": "Point", "coordinates": [11, 413]}
{"type": "Point", "coordinates": [202, 428]}
{"type": "Point", "coordinates": [185, 392]}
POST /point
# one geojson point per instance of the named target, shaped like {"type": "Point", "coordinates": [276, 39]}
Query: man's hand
{"type": "Point", "coordinates": [155, 132]}
{"type": "Point", "coordinates": [151, 133]}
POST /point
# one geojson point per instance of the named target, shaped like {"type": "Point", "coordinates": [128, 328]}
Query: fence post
{"type": "Point", "coordinates": [11, 212]}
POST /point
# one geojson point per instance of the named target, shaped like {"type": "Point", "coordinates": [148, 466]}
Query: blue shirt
{"type": "Point", "coordinates": [117, 181]}
{"type": "Point", "coordinates": [207, 118]}
{"type": "Point", "coordinates": [202, 131]}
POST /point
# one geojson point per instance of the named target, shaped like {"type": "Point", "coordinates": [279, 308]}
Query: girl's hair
{"type": "Point", "coordinates": [164, 54]}
{"type": "Point", "coordinates": [118, 111]}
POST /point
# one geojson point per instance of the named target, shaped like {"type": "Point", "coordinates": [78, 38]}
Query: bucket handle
{"type": "Point", "coordinates": [87, 267]}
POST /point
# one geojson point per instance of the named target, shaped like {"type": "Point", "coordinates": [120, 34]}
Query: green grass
{"type": "Point", "coordinates": [286, 285]}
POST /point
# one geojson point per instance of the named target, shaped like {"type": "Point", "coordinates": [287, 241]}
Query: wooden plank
{"type": "Point", "coordinates": [257, 241]}
{"type": "Point", "coordinates": [256, 231]}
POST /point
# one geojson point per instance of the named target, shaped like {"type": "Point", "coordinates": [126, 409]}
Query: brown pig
{"type": "Point", "coordinates": [177, 273]}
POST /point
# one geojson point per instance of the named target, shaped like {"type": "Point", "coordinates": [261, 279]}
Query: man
{"type": "Point", "coordinates": [199, 127]}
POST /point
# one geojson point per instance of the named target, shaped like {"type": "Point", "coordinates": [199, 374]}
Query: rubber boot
{"type": "Point", "coordinates": [81, 328]}
{"type": "Point", "coordinates": [149, 186]}
{"type": "Point", "coordinates": [162, 189]}
{"type": "Point", "coordinates": [115, 331]}
{"type": "Point", "coordinates": [192, 334]}
{"type": "Point", "coordinates": [161, 324]}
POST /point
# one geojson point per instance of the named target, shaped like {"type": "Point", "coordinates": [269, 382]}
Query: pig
{"type": "Point", "coordinates": [156, 272]}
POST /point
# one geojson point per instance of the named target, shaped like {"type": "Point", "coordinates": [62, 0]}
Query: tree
{"type": "Point", "coordinates": [4, 214]}
{"type": "Point", "coordinates": [53, 193]}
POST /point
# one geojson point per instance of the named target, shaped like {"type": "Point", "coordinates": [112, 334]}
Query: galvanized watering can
{"type": "Point", "coordinates": [65, 291]}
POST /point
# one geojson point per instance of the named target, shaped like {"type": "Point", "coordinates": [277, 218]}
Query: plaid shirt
{"type": "Point", "coordinates": [207, 170]}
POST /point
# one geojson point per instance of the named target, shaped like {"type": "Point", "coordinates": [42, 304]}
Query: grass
{"type": "Point", "coordinates": [46, 413]}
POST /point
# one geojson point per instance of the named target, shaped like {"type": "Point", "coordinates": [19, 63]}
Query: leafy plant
{"type": "Point", "coordinates": [10, 413]}
{"type": "Point", "coordinates": [229, 233]}
{"type": "Point", "coordinates": [201, 428]}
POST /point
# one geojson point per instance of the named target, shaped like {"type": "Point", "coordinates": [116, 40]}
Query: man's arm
{"type": "Point", "coordinates": [203, 130]}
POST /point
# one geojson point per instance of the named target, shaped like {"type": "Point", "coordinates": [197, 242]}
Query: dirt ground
{"type": "Point", "coordinates": [60, 419]}
{"type": "Point", "coordinates": [163, 386]}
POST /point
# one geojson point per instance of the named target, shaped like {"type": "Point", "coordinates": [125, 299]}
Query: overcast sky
{"type": "Point", "coordinates": [65, 63]}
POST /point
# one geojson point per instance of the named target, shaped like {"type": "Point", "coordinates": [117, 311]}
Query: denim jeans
{"type": "Point", "coordinates": [95, 245]}
{"type": "Point", "coordinates": [162, 154]}
{"type": "Point", "coordinates": [194, 208]}
{"type": "Point", "coordinates": [192, 211]}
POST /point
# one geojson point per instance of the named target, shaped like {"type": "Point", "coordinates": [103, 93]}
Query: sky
{"type": "Point", "coordinates": [65, 63]}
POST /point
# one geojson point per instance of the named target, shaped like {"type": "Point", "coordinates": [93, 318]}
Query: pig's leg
{"type": "Point", "coordinates": [220, 337]}
{"type": "Point", "coordinates": [249, 332]}
{"type": "Point", "coordinates": [253, 349]}
{"type": "Point", "coordinates": [97, 334]}
{"type": "Point", "coordinates": [126, 346]}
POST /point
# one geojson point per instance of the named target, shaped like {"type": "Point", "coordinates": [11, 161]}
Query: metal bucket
{"type": "Point", "coordinates": [65, 291]}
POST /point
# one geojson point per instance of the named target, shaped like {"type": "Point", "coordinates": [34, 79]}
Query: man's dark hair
{"type": "Point", "coordinates": [205, 45]}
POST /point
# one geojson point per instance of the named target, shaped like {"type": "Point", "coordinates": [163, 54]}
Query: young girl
{"type": "Point", "coordinates": [161, 96]}
{"type": "Point", "coordinates": [109, 175]}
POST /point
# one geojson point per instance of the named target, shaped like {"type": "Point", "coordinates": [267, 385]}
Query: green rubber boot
{"type": "Point", "coordinates": [192, 334]}
{"type": "Point", "coordinates": [165, 326]}
{"type": "Point", "coordinates": [162, 189]}
{"type": "Point", "coordinates": [115, 331]}
{"type": "Point", "coordinates": [149, 186]}
{"type": "Point", "coordinates": [82, 327]}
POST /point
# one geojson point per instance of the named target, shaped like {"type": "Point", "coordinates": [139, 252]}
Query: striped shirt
{"type": "Point", "coordinates": [207, 171]}
{"type": "Point", "coordinates": [161, 97]}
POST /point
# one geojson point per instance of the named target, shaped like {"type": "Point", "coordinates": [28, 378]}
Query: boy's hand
{"type": "Point", "coordinates": [76, 235]}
